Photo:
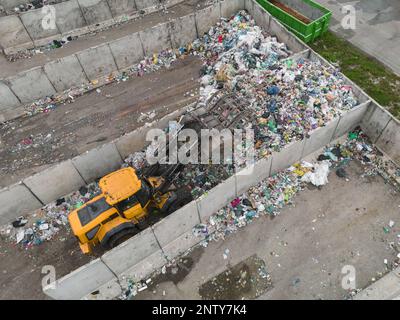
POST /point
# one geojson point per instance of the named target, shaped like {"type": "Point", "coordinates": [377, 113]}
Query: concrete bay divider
{"type": "Point", "coordinates": [73, 17]}
{"type": "Point", "coordinates": [384, 130]}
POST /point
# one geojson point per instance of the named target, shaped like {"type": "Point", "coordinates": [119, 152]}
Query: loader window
{"type": "Point", "coordinates": [92, 211]}
{"type": "Point", "coordinates": [143, 195]}
{"type": "Point", "coordinates": [127, 203]}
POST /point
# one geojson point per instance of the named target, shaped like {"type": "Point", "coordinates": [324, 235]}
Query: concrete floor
{"type": "Point", "coordinates": [306, 246]}
{"type": "Point", "coordinates": [377, 28]}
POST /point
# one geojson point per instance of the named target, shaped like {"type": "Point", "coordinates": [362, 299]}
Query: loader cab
{"type": "Point", "coordinates": [127, 193]}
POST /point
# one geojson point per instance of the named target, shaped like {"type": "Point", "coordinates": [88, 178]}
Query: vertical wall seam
{"type": "Point", "coordinates": [141, 43]}
{"type": "Point", "coordinates": [83, 69]}
{"type": "Point", "coordinates": [48, 79]}
{"type": "Point", "coordinates": [36, 197]}
{"type": "Point", "coordinates": [134, 2]}
{"type": "Point", "coordinates": [109, 8]}
{"type": "Point", "coordinates": [334, 131]}
{"type": "Point", "coordinates": [302, 149]}
{"type": "Point", "coordinates": [8, 84]}
{"type": "Point", "coordinates": [383, 130]}
{"type": "Point", "coordinates": [79, 172]}
{"type": "Point", "coordinates": [116, 148]}
{"type": "Point", "coordinates": [112, 54]}
{"type": "Point", "coordinates": [114, 274]}
{"type": "Point", "coordinates": [26, 29]}
{"type": "Point", "coordinates": [83, 14]}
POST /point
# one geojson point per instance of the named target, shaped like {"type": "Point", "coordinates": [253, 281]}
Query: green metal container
{"type": "Point", "coordinates": [318, 15]}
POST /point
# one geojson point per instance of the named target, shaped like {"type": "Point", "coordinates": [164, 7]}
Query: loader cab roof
{"type": "Point", "coordinates": [120, 185]}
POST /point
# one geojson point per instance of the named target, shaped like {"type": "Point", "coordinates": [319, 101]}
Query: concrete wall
{"type": "Point", "coordinates": [13, 35]}
{"type": "Point", "coordinates": [25, 30]}
{"type": "Point", "coordinates": [81, 281]}
{"type": "Point", "coordinates": [183, 30]}
{"type": "Point", "coordinates": [98, 162]}
{"type": "Point", "coordinates": [386, 288]}
{"type": "Point", "coordinates": [69, 17]}
{"type": "Point", "coordinates": [65, 73]}
{"type": "Point", "coordinates": [127, 51]}
{"type": "Point", "coordinates": [207, 17]}
{"type": "Point", "coordinates": [8, 98]}
{"type": "Point", "coordinates": [16, 200]}
{"type": "Point", "coordinates": [383, 130]}
{"type": "Point", "coordinates": [32, 20]}
{"type": "Point", "coordinates": [31, 85]}
{"type": "Point", "coordinates": [97, 61]}
{"type": "Point", "coordinates": [55, 182]}
{"type": "Point", "coordinates": [156, 39]}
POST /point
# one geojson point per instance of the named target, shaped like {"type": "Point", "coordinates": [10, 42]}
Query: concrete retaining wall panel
{"type": "Point", "coordinates": [143, 4]}
{"type": "Point", "coordinates": [176, 224]}
{"type": "Point", "coordinates": [132, 142]}
{"type": "Point", "coordinates": [180, 245]}
{"type": "Point", "coordinates": [351, 119]}
{"type": "Point", "coordinates": [55, 182]}
{"type": "Point", "coordinates": [98, 162]}
{"type": "Point", "coordinates": [11, 4]}
{"type": "Point", "coordinates": [65, 73]}
{"type": "Point", "coordinates": [231, 7]}
{"type": "Point", "coordinates": [249, 6]}
{"type": "Point", "coordinates": [31, 85]}
{"type": "Point", "coordinates": [131, 252]}
{"type": "Point", "coordinates": [143, 268]}
{"type": "Point", "coordinates": [69, 16]}
{"type": "Point", "coordinates": [389, 141]}
{"type": "Point", "coordinates": [283, 35]}
{"type": "Point", "coordinates": [120, 7]}
{"type": "Point", "coordinates": [95, 11]}
{"type": "Point", "coordinates": [81, 282]}
{"type": "Point", "coordinates": [261, 17]}
{"type": "Point", "coordinates": [15, 201]}
{"type": "Point", "coordinates": [320, 137]}
{"type": "Point", "coordinates": [32, 21]}
{"type": "Point", "coordinates": [156, 39]}
{"type": "Point", "coordinates": [375, 121]}
{"type": "Point", "coordinates": [287, 156]}
{"type": "Point", "coordinates": [127, 51]}
{"type": "Point", "coordinates": [216, 198]}
{"type": "Point", "coordinates": [13, 33]}
{"type": "Point", "coordinates": [251, 176]}
{"type": "Point", "coordinates": [183, 30]}
{"type": "Point", "coordinates": [97, 61]}
{"type": "Point", "coordinates": [207, 17]}
{"type": "Point", "coordinates": [8, 99]}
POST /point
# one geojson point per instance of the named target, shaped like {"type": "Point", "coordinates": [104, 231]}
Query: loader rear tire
{"type": "Point", "coordinates": [121, 237]}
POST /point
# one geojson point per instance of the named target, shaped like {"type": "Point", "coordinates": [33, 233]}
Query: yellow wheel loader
{"type": "Point", "coordinates": [122, 208]}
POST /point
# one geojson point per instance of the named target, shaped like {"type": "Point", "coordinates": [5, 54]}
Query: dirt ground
{"type": "Point", "coordinates": [94, 119]}
{"type": "Point", "coordinates": [306, 246]}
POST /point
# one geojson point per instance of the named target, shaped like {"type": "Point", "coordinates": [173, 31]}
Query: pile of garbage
{"type": "Point", "coordinates": [44, 224]}
{"type": "Point", "coordinates": [278, 191]}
